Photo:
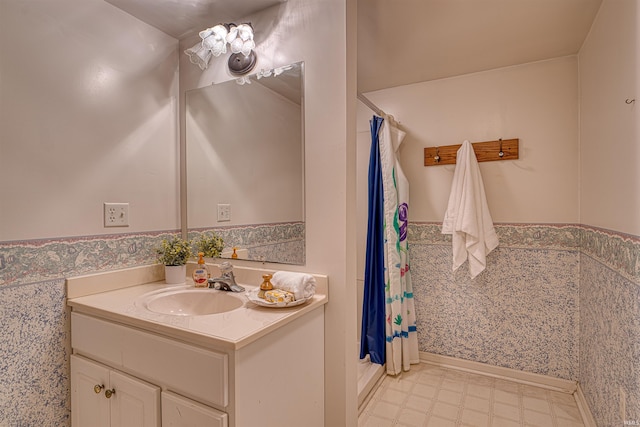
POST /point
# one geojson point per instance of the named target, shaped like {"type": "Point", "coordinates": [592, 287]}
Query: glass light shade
{"type": "Point", "coordinates": [245, 32]}
{"type": "Point", "coordinates": [217, 45]}
{"type": "Point", "coordinates": [209, 41]}
{"type": "Point", "coordinates": [199, 55]}
{"type": "Point", "coordinates": [233, 33]}
{"type": "Point", "coordinates": [205, 33]}
{"type": "Point", "coordinates": [247, 47]}
{"type": "Point", "coordinates": [220, 31]}
{"type": "Point", "coordinates": [236, 45]}
{"type": "Point", "coordinates": [219, 48]}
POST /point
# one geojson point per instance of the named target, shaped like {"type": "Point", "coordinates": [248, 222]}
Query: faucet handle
{"type": "Point", "coordinates": [226, 267]}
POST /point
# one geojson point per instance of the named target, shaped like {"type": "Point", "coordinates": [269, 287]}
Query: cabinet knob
{"type": "Point", "coordinates": [98, 388]}
{"type": "Point", "coordinates": [109, 393]}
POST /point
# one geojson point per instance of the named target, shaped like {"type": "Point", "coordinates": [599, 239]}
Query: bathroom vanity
{"type": "Point", "coordinates": [244, 365]}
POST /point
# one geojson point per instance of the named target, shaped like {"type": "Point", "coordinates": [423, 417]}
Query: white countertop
{"type": "Point", "coordinates": [230, 330]}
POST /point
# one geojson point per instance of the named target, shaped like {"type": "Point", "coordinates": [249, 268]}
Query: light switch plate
{"type": "Point", "coordinates": [224, 212]}
{"type": "Point", "coordinates": [116, 214]}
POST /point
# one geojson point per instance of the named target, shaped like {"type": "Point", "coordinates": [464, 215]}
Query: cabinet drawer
{"type": "Point", "coordinates": [191, 371]}
{"type": "Point", "coordinates": [180, 412]}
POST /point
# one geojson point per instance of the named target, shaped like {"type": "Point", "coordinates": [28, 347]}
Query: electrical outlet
{"type": "Point", "coordinates": [116, 214]}
{"type": "Point", "coordinates": [224, 212]}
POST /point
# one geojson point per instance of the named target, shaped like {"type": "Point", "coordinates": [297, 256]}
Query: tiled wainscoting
{"type": "Point", "coordinates": [34, 355]}
{"type": "Point", "coordinates": [560, 300]}
{"type": "Point", "coordinates": [520, 313]}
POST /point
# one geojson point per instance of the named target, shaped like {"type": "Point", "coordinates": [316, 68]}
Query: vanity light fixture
{"type": "Point", "coordinates": [214, 43]}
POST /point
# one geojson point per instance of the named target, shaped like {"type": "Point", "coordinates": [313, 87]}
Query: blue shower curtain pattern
{"type": "Point", "coordinates": [372, 340]}
{"type": "Point", "coordinates": [400, 334]}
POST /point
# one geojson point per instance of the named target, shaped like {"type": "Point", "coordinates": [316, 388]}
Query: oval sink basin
{"type": "Point", "coordinates": [193, 302]}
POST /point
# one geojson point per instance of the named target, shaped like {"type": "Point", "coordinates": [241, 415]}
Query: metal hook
{"type": "Point", "coordinates": [629, 101]}
{"type": "Point", "coordinates": [437, 156]}
{"type": "Point", "coordinates": [501, 153]}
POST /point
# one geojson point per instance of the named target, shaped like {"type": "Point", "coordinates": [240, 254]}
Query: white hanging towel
{"type": "Point", "coordinates": [467, 218]}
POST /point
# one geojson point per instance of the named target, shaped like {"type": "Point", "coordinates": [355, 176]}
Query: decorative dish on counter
{"type": "Point", "coordinates": [253, 297]}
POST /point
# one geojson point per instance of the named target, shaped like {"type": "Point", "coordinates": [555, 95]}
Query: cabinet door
{"type": "Point", "coordinates": [88, 408]}
{"type": "Point", "coordinates": [178, 411]}
{"type": "Point", "coordinates": [134, 403]}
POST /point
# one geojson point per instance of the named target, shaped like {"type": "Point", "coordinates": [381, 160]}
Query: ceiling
{"type": "Point", "coordinates": [181, 18]}
{"type": "Point", "coordinates": [409, 41]}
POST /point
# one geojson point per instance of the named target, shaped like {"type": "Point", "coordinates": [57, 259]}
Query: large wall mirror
{"type": "Point", "coordinates": [245, 165]}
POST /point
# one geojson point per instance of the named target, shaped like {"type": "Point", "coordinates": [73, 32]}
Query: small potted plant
{"type": "Point", "coordinates": [210, 244]}
{"type": "Point", "coordinates": [174, 254]}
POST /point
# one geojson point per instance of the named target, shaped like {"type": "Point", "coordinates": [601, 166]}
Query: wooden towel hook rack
{"type": "Point", "coordinates": [487, 151]}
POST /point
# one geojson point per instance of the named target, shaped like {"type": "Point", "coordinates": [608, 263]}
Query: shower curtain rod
{"type": "Point", "coordinates": [377, 110]}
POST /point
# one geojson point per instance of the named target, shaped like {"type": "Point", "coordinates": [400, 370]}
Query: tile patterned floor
{"type": "Point", "coordinates": [431, 396]}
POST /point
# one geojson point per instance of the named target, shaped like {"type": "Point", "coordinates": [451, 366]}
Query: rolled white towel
{"type": "Point", "coordinates": [301, 285]}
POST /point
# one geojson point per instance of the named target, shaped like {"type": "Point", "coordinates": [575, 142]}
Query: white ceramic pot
{"type": "Point", "coordinates": [175, 274]}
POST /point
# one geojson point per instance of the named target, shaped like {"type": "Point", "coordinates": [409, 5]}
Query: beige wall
{"type": "Point", "coordinates": [609, 128]}
{"type": "Point", "coordinates": [302, 30]}
{"type": "Point", "coordinates": [88, 115]}
{"type": "Point", "coordinates": [536, 102]}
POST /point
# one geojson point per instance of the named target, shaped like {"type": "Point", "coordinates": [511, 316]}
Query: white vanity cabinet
{"type": "Point", "coordinates": [101, 397]}
{"type": "Point", "coordinates": [273, 380]}
{"type": "Point", "coordinates": [251, 366]}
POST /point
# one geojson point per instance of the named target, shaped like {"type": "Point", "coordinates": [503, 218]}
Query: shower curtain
{"type": "Point", "coordinates": [387, 263]}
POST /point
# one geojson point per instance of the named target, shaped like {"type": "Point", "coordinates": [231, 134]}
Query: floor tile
{"type": "Point", "coordinates": [385, 410]}
{"type": "Point", "coordinates": [393, 396]}
{"type": "Point", "coordinates": [412, 418]}
{"type": "Point", "coordinates": [474, 418]}
{"type": "Point", "coordinates": [507, 411]}
{"type": "Point", "coordinates": [536, 404]}
{"type": "Point", "coordinates": [453, 385]}
{"type": "Point", "coordinates": [434, 380]}
{"type": "Point", "coordinates": [401, 385]}
{"type": "Point", "coordinates": [441, 422]}
{"type": "Point", "coordinates": [477, 404]}
{"type": "Point", "coordinates": [565, 411]}
{"type": "Point", "coordinates": [424, 390]}
{"type": "Point", "coordinates": [436, 397]}
{"type": "Point", "coordinates": [533, 418]}
{"type": "Point", "coordinates": [418, 403]}
{"type": "Point", "coordinates": [445, 410]}
{"type": "Point", "coordinates": [374, 421]}
{"type": "Point", "coordinates": [506, 397]}
{"type": "Point", "coordinates": [449, 396]}
{"type": "Point", "coordinates": [479, 390]}
{"type": "Point", "coordinates": [503, 422]}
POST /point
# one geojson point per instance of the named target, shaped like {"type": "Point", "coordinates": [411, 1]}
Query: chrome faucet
{"type": "Point", "coordinates": [227, 281]}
